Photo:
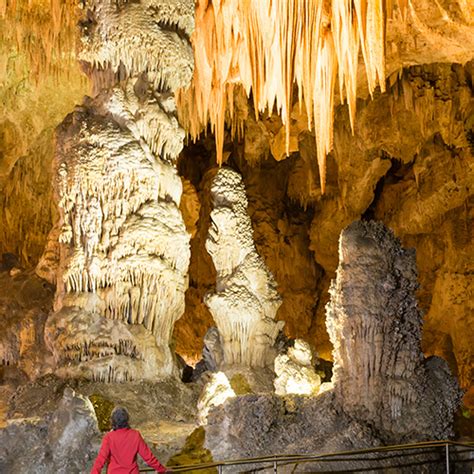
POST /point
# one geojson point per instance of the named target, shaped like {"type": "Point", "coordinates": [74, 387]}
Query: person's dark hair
{"type": "Point", "coordinates": [119, 418]}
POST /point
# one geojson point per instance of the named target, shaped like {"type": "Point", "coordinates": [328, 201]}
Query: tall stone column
{"type": "Point", "coordinates": [246, 299]}
{"type": "Point", "coordinates": [380, 375]}
{"type": "Point", "coordinates": [123, 246]}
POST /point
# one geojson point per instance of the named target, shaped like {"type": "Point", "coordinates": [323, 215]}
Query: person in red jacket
{"type": "Point", "coordinates": [121, 446]}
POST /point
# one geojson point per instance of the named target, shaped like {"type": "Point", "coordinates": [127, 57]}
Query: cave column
{"type": "Point", "coordinates": [380, 374]}
{"type": "Point", "coordinates": [123, 246]}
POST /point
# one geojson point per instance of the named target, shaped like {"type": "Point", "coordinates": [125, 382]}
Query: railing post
{"type": "Point", "coordinates": [447, 458]}
{"type": "Point", "coordinates": [275, 467]}
{"type": "Point", "coordinates": [219, 469]}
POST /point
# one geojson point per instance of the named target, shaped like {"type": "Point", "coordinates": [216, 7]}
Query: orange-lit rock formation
{"type": "Point", "coordinates": [382, 391]}
{"type": "Point", "coordinates": [331, 112]}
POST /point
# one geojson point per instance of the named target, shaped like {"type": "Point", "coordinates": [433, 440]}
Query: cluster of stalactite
{"type": "Point", "coordinates": [269, 46]}
{"type": "Point", "coordinates": [43, 30]}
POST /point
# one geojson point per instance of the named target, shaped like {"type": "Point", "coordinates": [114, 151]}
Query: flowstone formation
{"type": "Point", "coordinates": [380, 374]}
{"type": "Point", "coordinates": [123, 246]}
{"type": "Point", "coordinates": [383, 390]}
{"type": "Point", "coordinates": [246, 300]}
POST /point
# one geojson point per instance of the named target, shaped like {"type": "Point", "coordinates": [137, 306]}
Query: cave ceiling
{"type": "Point", "coordinates": [298, 59]}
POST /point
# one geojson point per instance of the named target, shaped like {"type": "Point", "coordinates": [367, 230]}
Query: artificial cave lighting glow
{"type": "Point", "coordinates": [269, 46]}
{"type": "Point", "coordinates": [216, 392]}
{"type": "Point", "coordinates": [44, 30]}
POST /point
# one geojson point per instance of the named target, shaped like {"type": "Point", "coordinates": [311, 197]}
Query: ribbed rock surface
{"type": "Point", "coordinates": [409, 165]}
{"type": "Point", "coordinates": [380, 374]}
{"type": "Point", "coordinates": [123, 245]}
{"type": "Point", "coordinates": [383, 390]}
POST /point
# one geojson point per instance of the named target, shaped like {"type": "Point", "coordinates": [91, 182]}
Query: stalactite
{"type": "Point", "coordinates": [268, 46]}
{"type": "Point", "coordinates": [44, 30]}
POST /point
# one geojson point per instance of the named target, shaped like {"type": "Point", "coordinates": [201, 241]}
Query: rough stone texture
{"type": "Point", "coordinates": [63, 442]}
{"type": "Point", "coordinates": [87, 345]}
{"type": "Point", "coordinates": [397, 167]}
{"type": "Point", "coordinates": [124, 247]}
{"type": "Point", "coordinates": [383, 390]}
{"type": "Point", "coordinates": [30, 109]}
{"type": "Point", "coordinates": [409, 165]}
{"type": "Point", "coordinates": [191, 328]}
{"type": "Point", "coordinates": [434, 32]}
{"type": "Point", "coordinates": [190, 207]}
{"type": "Point", "coordinates": [253, 426]}
{"type": "Point", "coordinates": [380, 375]}
{"type": "Point", "coordinates": [164, 412]}
{"type": "Point", "coordinates": [25, 301]}
{"type": "Point", "coordinates": [434, 210]}
{"type": "Point", "coordinates": [280, 226]}
{"type": "Point", "coordinates": [245, 303]}
{"type": "Point", "coordinates": [149, 35]}
{"type": "Point", "coordinates": [257, 425]}
{"type": "Point", "coordinates": [26, 208]}
{"type": "Point", "coordinates": [212, 352]}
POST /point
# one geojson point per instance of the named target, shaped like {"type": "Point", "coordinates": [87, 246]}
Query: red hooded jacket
{"type": "Point", "coordinates": [120, 448]}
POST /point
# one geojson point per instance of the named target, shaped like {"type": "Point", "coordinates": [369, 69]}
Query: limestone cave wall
{"type": "Point", "coordinates": [31, 107]}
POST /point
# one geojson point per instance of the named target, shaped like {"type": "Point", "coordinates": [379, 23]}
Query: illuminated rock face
{"type": "Point", "coordinates": [413, 172]}
{"type": "Point", "coordinates": [295, 374]}
{"type": "Point", "coordinates": [130, 38]}
{"type": "Point", "coordinates": [215, 393]}
{"type": "Point", "coordinates": [373, 320]}
{"type": "Point", "coordinates": [246, 300]}
{"type": "Point", "coordinates": [123, 245]}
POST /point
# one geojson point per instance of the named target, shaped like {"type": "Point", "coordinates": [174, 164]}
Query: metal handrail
{"type": "Point", "coordinates": [341, 456]}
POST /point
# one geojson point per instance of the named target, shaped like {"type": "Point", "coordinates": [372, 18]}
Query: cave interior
{"type": "Point", "coordinates": [248, 222]}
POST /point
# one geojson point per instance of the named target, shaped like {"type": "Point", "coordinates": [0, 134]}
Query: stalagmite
{"type": "Point", "coordinates": [374, 323]}
{"type": "Point", "coordinates": [383, 391]}
{"type": "Point", "coordinates": [246, 300]}
{"type": "Point", "coordinates": [215, 393]}
{"type": "Point", "coordinates": [295, 374]}
{"type": "Point", "coordinates": [124, 249]}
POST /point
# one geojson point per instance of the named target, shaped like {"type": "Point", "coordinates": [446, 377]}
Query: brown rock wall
{"type": "Point", "coordinates": [410, 165]}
